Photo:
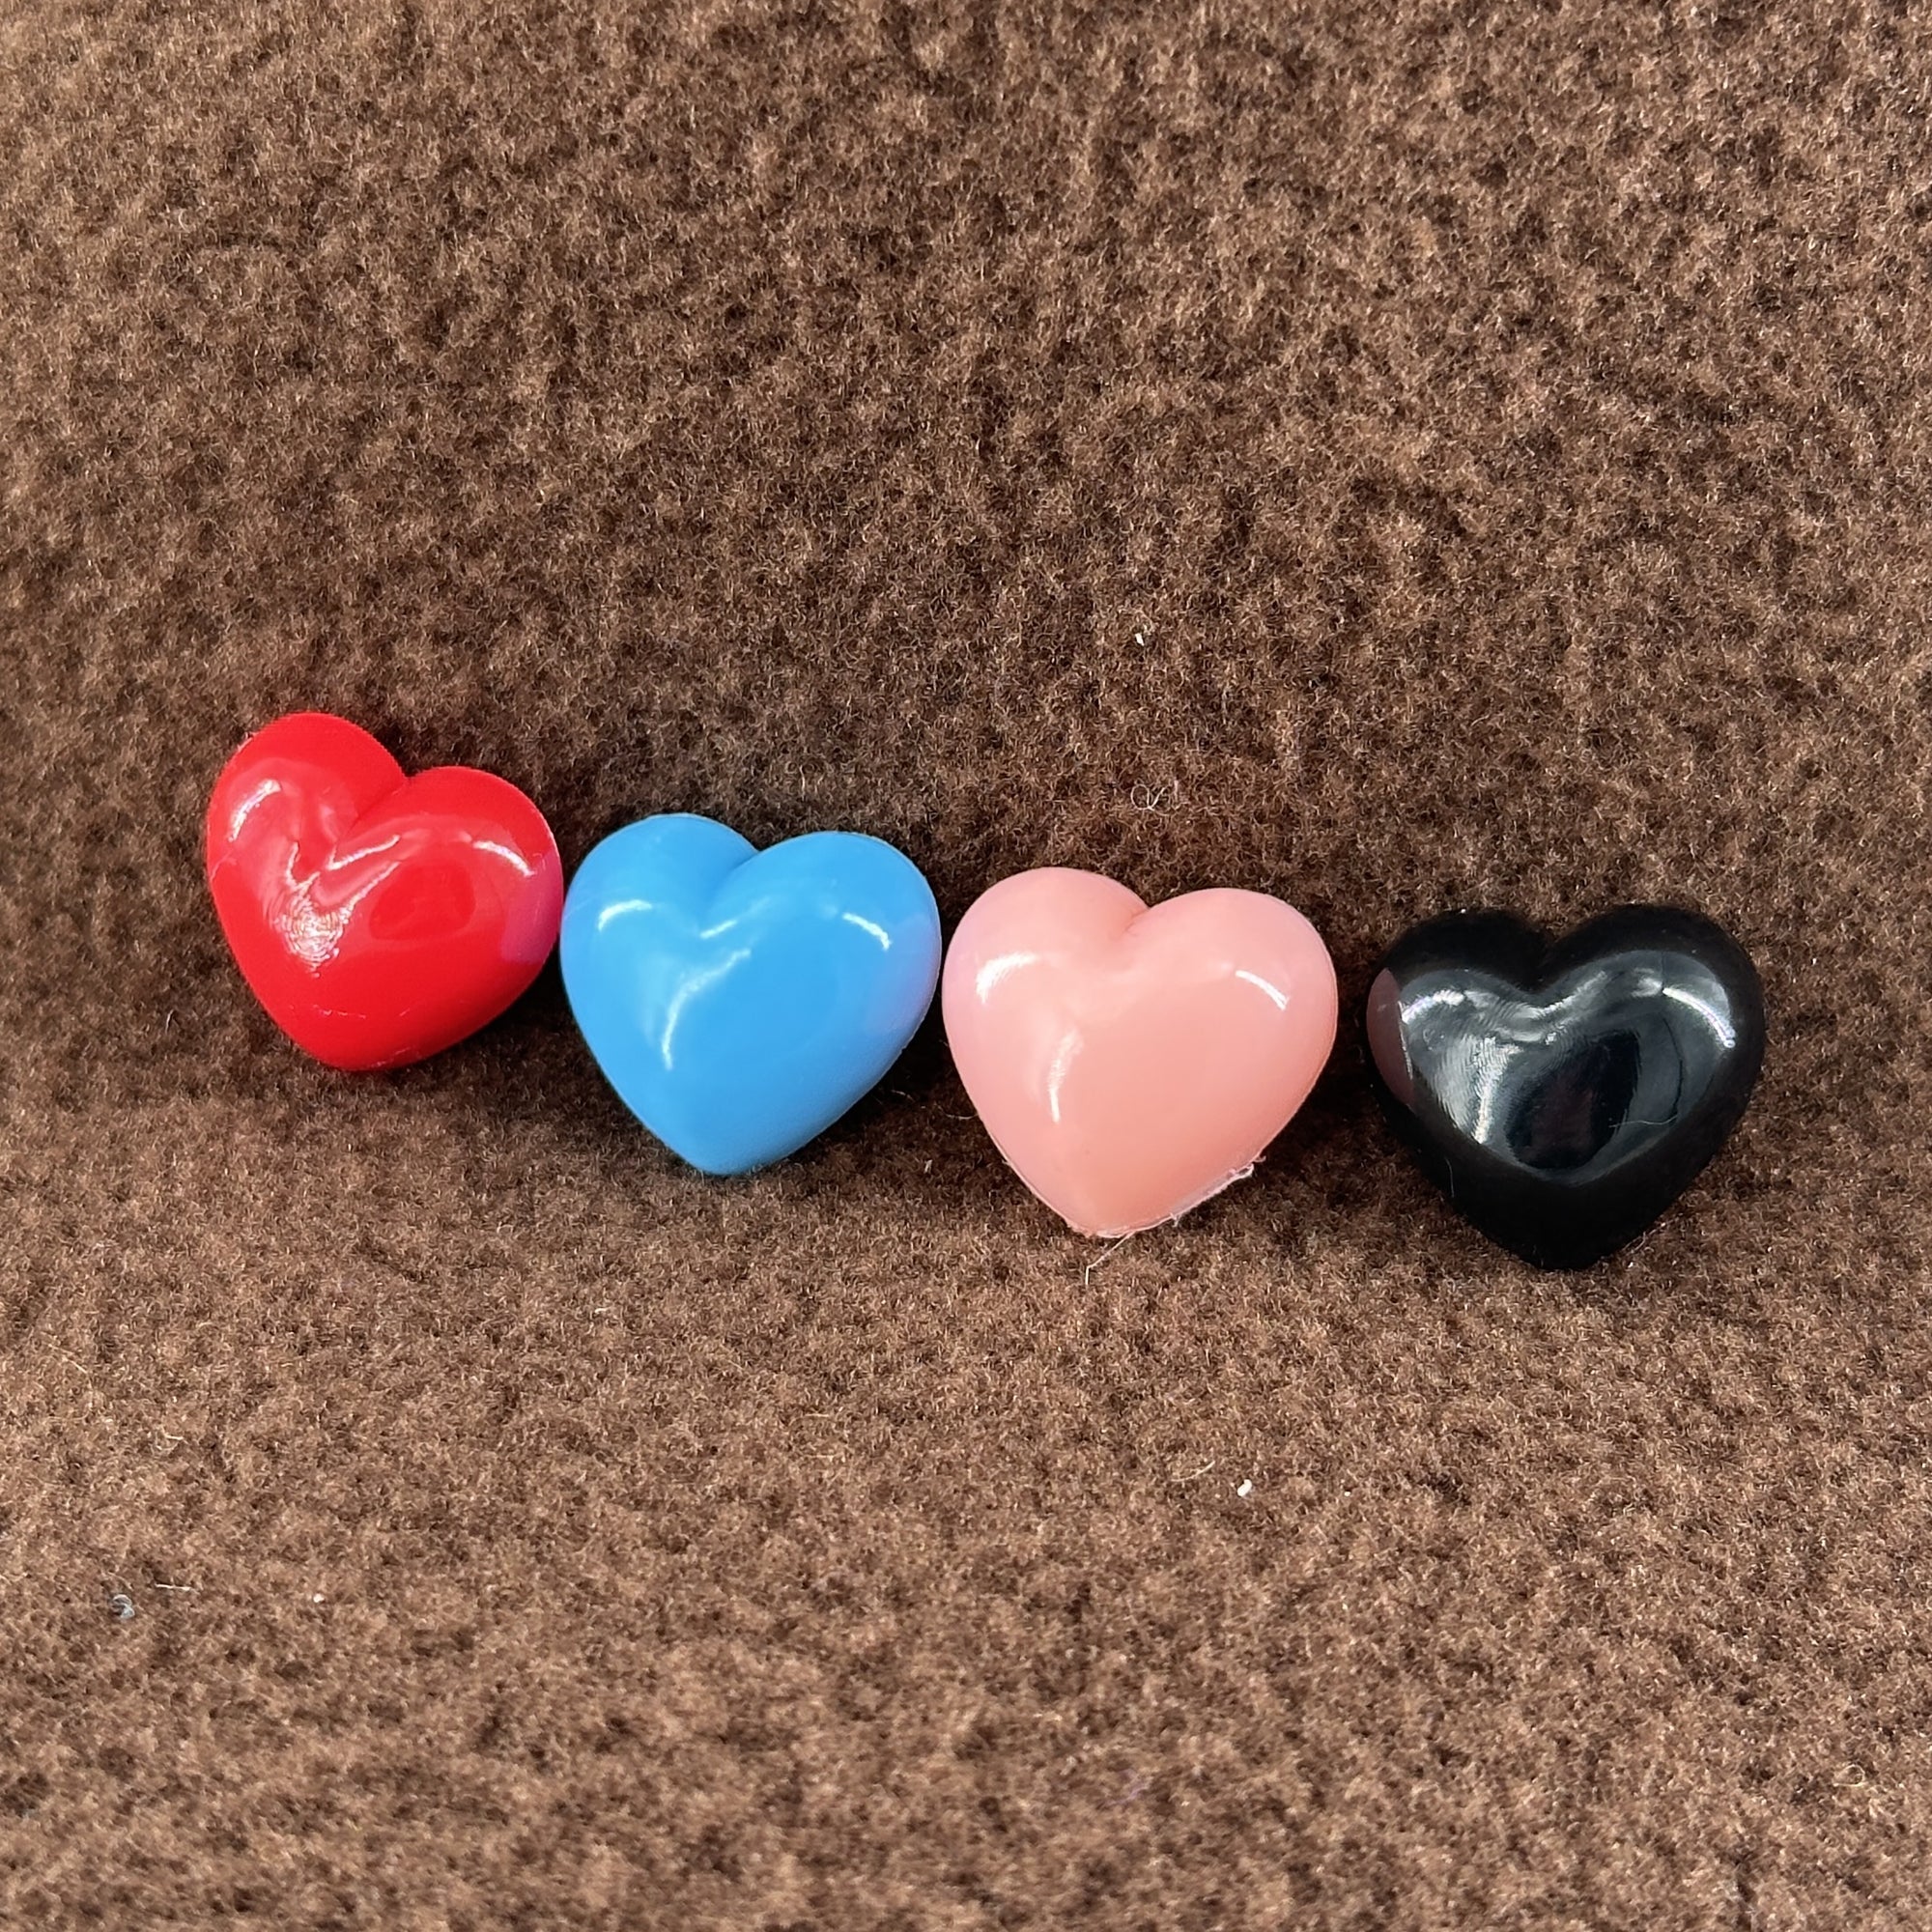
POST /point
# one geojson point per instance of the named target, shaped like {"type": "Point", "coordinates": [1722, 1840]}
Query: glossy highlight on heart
{"type": "Point", "coordinates": [741, 1000]}
{"type": "Point", "coordinates": [378, 918]}
{"type": "Point", "coordinates": [1130, 1061]}
{"type": "Point", "coordinates": [1564, 1096]}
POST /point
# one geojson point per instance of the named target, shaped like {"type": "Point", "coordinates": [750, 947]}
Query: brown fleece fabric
{"type": "Point", "coordinates": [1392, 455]}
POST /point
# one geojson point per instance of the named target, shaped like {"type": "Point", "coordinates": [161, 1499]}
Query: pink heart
{"type": "Point", "coordinates": [1129, 1062]}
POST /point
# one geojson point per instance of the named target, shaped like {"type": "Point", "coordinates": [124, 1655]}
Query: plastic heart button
{"type": "Point", "coordinates": [1565, 1096]}
{"type": "Point", "coordinates": [378, 918]}
{"type": "Point", "coordinates": [1131, 1062]}
{"type": "Point", "coordinates": [740, 1001]}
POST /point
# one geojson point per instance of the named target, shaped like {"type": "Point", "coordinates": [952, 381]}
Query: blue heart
{"type": "Point", "coordinates": [740, 1001]}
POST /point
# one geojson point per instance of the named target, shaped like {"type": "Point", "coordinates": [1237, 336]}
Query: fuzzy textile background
{"type": "Point", "coordinates": [1392, 455]}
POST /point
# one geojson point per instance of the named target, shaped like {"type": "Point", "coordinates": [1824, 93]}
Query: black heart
{"type": "Point", "coordinates": [1565, 1096]}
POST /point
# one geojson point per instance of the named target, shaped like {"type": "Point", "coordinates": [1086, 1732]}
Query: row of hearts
{"type": "Point", "coordinates": [1128, 1062]}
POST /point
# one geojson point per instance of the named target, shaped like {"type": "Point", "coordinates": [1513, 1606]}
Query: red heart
{"type": "Point", "coordinates": [379, 918]}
